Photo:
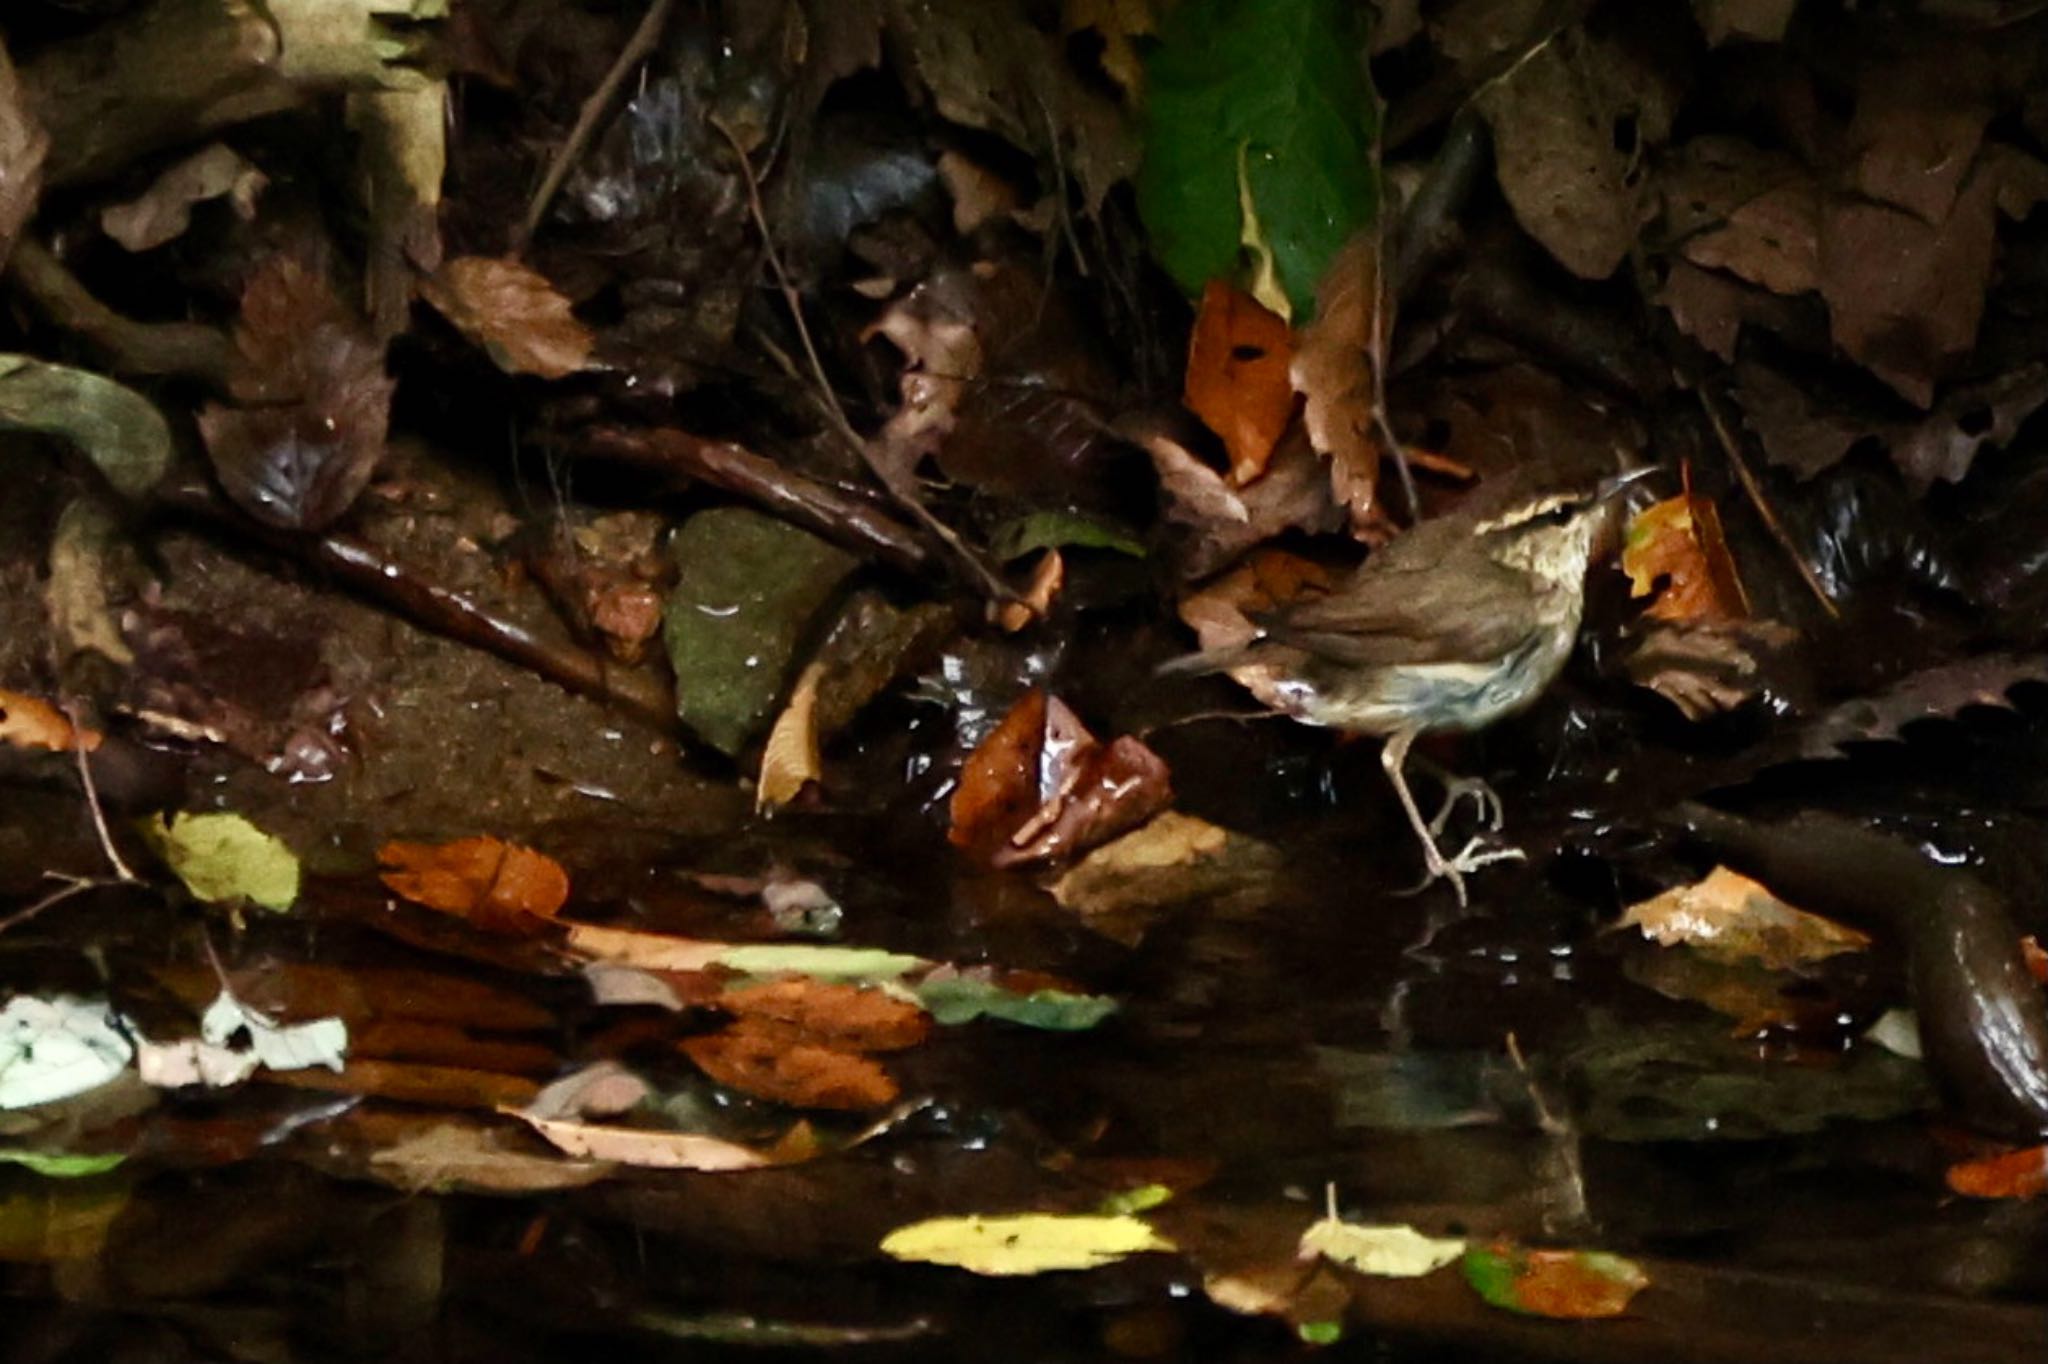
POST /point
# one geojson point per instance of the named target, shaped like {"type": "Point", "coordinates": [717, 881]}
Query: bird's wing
{"type": "Point", "coordinates": [1421, 615]}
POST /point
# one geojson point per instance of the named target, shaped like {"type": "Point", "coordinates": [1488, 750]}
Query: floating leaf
{"type": "Point", "coordinates": [1029, 1243]}
{"type": "Point", "coordinates": [868, 964]}
{"type": "Point", "coordinates": [749, 587]}
{"type": "Point", "coordinates": [234, 1040]}
{"type": "Point", "coordinates": [223, 858]}
{"type": "Point", "coordinates": [1566, 1284]}
{"type": "Point", "coordinates": [1281, 89]}
{"type": "Point", "coordinates": [607, 1089]}
{"type": "Point", "coordinates": [54, 1048]}
{"type": "Point", "coordinates": [115, 427]}
{"type": "Point", "coordinates": [496, 885]}
{"type": "Point", "coordinates": [956, 997]}
{"type": "Point", "coordinates": [513, 312]}
{"type": "Point", "coordinates": [1237, 380]}
{"type": "Point", "coordinates": [779, 1065]}
{"type": "Point", "coordinates": [1393, 1252]}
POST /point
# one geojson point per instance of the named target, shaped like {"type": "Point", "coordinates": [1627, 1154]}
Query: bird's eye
{"type": "Point", "coordinates": [1555, 516]}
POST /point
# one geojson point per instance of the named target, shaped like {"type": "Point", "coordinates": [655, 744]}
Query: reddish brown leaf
{"type": "Point", "coordinates": [312, 401]}
{"type": "Point", "coordinates": [1112, 790]}
{"type": "Point", "coordinates": [1679, 540]}
{"type": "Point", "coordinates": [998, 787]}
{"type": "Point", "coordinates": [496, 885]}
{"type": "Point", "coordinates": [2016, 1174]}
{"type": "Point", "coordinates": [773, 1061]}
{"type": "Point", "coordinates": [1237, 376]}
{"type": "Point", "coordinates": [1565, 1284]}
{"type": "Point", "coordinates": [513, 312]}
{"type": "Point", "coordinates": [2036, 958]}
{"type": "Point", "coordinates": [851, 1017]}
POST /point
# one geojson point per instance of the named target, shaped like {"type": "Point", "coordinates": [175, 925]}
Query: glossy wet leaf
{"type": "Point", "coordinates": [513, 312]}
{"type": "Point", "coordinates": [955, 997]}
{"type": "Point", "coordinates": [1728, 916]}
{"type": "Point", "coordinates": [1028, 1243]}
{"type": "Point", "coordinates": [749, 587]}
{"type": "Point", "coordinates": [2015, 1174]}
{"type": "Point", "coordinates": [858, 964]}
{"type": "Point", "coordinates": [54, 1048]}
{"type": "Point", "coordinates": [496, 885]}
{"type": "Point", "coordinates": [559, 1112]}
{"type": "Point", "coordinates": [1565, 1284]}
{"type": "Point", "coordinates": [1391, 1251]}
{"type": "Point", "coordinates": [115, 427]}
{"type": "Point", "coordinates": [222, 858]}
{"type": "Point", "coordinates": [1679, 541]}
{"type": "Point", "coordinates": [1237, 376]}
{"type": "Point", "coordinates": [1280, 88]}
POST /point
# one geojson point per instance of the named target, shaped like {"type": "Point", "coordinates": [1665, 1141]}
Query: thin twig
{"type": "Point", "coordinates": [73, 885]}
{"type": "Point", "coordinates": [588, 116]}
{"type": "Point", "coordinates": [1762, 504]}
{"type": "Point", "coordinates": [906, 497]}
{"type": "Point", "coordinates": [92, 795]}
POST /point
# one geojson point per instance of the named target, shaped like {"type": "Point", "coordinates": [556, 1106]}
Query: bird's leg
{"type": "Point", "coordinates": [1437, 867]}
{"type": "Point", "coordinates": [1485, 801]}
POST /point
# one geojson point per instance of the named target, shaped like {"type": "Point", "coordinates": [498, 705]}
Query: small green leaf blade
{"type": "Point", "coordinates": [116, 427]}
{"type": "Point", "coordinates": [222, 858]}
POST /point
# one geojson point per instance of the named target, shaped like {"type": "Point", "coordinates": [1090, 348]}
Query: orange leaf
{"type": "Point", "coordinates": [1237, 378]}
{"type": "Point", "coordinates": [30, 722]}
{"type": "Point", "coordinates": [495, 885]}
{"type": "Point", "coordinates": [1565, 1284]}
{"type": "Point", "coordinates": [2016, 1174]}
{"type": "Point", "coordinates": [1334, 374]}
{"type": "Point", "coordinates": [774, 1062]}
{"type": "Point", "coordinates": [1680, 541]}
{"type": "Point", "coordinates": [848, 1016]}
{"type": "Point", "coordinates": [2036, 958]}
{"type": "Point", "coordinates": [998, 787]}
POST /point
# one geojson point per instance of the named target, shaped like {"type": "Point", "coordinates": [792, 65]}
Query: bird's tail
{"type": "Point", "coordinates": [1212, 660]}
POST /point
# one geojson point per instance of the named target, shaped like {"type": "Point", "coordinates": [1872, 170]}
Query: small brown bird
{"type": "Point", "coordinates": [1454, 625]}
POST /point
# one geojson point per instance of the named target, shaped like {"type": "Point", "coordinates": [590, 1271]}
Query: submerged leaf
{"type": "Point", "coordinates": [1028, 1243]}
{"type": "Point", "coordinates": [496, 885]}
{"type": "Point", "coordinates": [1567, 1284]}
{"type": "Point", "coordinates": [222, 857]}
{"type": "Point", "coordinates": [513, 312]}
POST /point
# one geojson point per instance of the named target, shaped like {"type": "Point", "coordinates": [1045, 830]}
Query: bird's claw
{"type": "Point", "coordinates": [1486, 803]}
{"type": "Point", "coordinates": [1455, 868]}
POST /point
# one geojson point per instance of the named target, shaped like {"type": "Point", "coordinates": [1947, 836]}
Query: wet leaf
{"type": "Point", "coordinates": [1027, 1243]}
{"type": "Point", "coordinates": [749, 588]}
{"type": "Point", "coordinates": [162, 212]}
{"type": "Point", "coordinates": [54, 1048]}
{"type": "Point", "coordinates": [858, 964]}
{"type": "Point", "coordinates": [790, 760]}
{"type": "Point", "coordinates": [498, 886]}
{"type": "Point", "coordinates": [2016, 1174]}
{"type": "Point", "coordinates": [513, 312]}
{"type": "Point", "coordinates": [1237, 379]}
{"type": "Point", "coordinates": [849, 1016]}
{"type": "Point", "coordinates": [1565, 1284]}
{"type": "Point", "coordinates": [312, 401]}
{"type": "Point", "coordinates": [1708, 667]}
{"type": "Point", "coordinates": [1570, 124]}
{"type": "Point", "coordinates": [779, 1064]}
{"type": "Point", "coordinates": [234, 1041]}
{"type": "Point", "coordinates": [1679, 540]}
{"type": "Point", "coordinates": [1392, 1251]}
{"type": "Point", "coordinates": [1938, 692]}
{"type": "Point", "coordinates": [31, 722]}
{"type": "Point", "coordinates": [1333, 371]}
{"type": "Point", "coordinates": [1729, 917]}
{"type": "Point", "coordinates": [1302, 120]}
{"type": "Point", "coordinates": [955, 997]}
{"type": "Point", "coordinates": [1752, 213]}
{"type": "Point", "coordinates": [1174, 859]}
{"type": "Point", "coordinates": [450, 1157]}
{"type": "Point", "coordinates": [60, 1164]}
{"type": "Point", "coordinates": [556, 1113]}
{"type": "Point", "coordinates": [222, 858]}
{"type": "Point", "coordinates": [113, 426]}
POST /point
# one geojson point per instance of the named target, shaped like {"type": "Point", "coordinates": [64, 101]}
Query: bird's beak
{"type": "Point", "coordinates": [1608, 488]}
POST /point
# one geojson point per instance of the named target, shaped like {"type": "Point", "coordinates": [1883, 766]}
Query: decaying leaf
{"type": "Point", "coordinates": [453, 1157]}
{"type": "Point", "coordinates": [1040, 787]}
{"type": "Point", "coordinates": [1025, 1243]}
{"type": "Point", "coordinates": [1394, 1252]}
{"type": "Point", "coordinates": [312, 401]}
{"type": "Point", "coordinates": [113, 426]}
{"type": "Point", "coordinates": [852, 1016]}
{"type": "Point", "coordinates": [1707, 667]}
{"type": "Point", "coordinates": [498, 886]}
{"type": "Point", "coordinates": [164, 210]}
{"type": "Point", "coordinates": [54, 1048]}
{"type": "Point", "coordinates": [1679, 541]}
{"type": "Point", "coordinates": [1735, 207]}
{"type": "Point", "coordinates": [1334, 372]}
{"type": "Point", "coordinates": [605, 1090]}
{"type": "Point", "coordinates": [778, 1064]}
{"type": "Point", "coordinates": [234, 1041]}
{"type": "Point", "coordinates": [2015, 1174]}
{"type": "Point", "coordinates": [790, 760]}
{"type": "Point", "coordinates": [513, 312]}
{"type": "Point", "coordinates": [1237, 376]}
{"type": "Point", "coordinates": [31, 722]}
{"type": "Point", "coordinates": [1728, 917]}
{"type": "Point", "coordinates": [84, 551]}
{"type": "Point", "coordinates": [1565, 1284]}
{"type": "Point", "coordinates": [954, 997]}
{"type": "Point", "coordinates": [224, 859]}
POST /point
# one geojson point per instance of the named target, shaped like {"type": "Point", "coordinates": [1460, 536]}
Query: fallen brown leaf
{"type": "Point", "coordinates": [1679, 541]}
{"type": "Point", "coordinates": [1237, 376]}
{"type": "Point", "coordinates": [790, 760]}
{"type": "Point", "coordinates": [497, 886]}
{"type": "Point", "coordinates": [30, 722]}
{"type": "Point", "coordinates": [1333, 371]}
{"type": "Point", "coordinates": [1728, 916]}
{"type": "Point", "coordinates": [441, 1086]}
{"type": "Point", "coordinates": [513, 312]}
{"type": "Point", "coordinates": [775, 1061]}
{"type": "Point", "coordinates": [852, 1017]}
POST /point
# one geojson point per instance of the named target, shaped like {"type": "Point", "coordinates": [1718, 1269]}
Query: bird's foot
{"type": "Point", "coordinates": [1455, 868]}
{"type": "Point", "coordinates": [1485, 803]}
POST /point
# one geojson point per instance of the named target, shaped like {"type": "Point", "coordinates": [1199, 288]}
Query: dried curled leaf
{"type": "Point", "coordinates": [496, 885]}
{"type": "Point", "coordinates": [1237, 376]}
{"type": "Point", "coordinates": [312, 398]}
{"type": "Point", "coordinates": [162, 212]}
{"type": "Point", "coordinates": [790, 760]}
{"type": "Point", "coordinates": [1333, 371]}
{"type": "Point", "coordinates": [513, 312]}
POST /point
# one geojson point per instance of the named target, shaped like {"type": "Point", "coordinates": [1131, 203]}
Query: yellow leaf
{"type": "Point", "coordinates": [1727, 916]}
{"type": "Point", "coordinates": [791, 761]}
{"type": "Point", "coordinates": [1030, 1243]}
{"type": "Point", "coordinates": [1393, 1251]}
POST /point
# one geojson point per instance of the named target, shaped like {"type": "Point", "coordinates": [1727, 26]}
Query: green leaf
{"type": "Point", "coordinates": [1563, 1284]}
{"type": "Point", "coordinates": [223, 857]}
{"type": "Point", "coordinates": [115, 426]}
{"type": "Point", "coordinates": [1060, 530]}
{"type": "Point", "coordinates": [1284, 84]}
{"type": "Point", "coordinates": [954, 999]}
{"type": "Point", "coordinates": [748, 590]}
{"type": "Point", "coordinates": [60, 1164]}
{"type": "Point", "coordinates": [1320, 1332]}
{"type": "Point", "coordinates": [863, 964]}
{"type": "Point", "coordinates": [1030, 1243]}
